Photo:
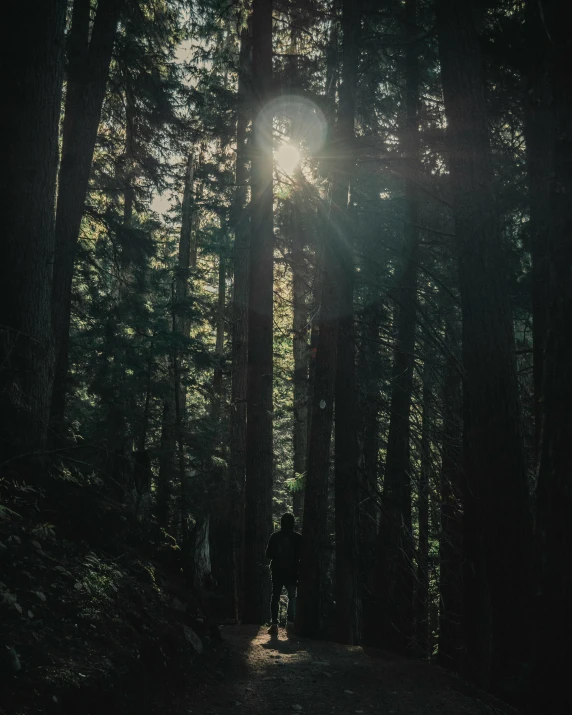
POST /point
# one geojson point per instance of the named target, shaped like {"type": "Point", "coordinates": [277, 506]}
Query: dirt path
{"type": "Point", "coordinates": [285, 675]}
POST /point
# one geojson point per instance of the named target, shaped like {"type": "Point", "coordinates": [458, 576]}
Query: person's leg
{"type": "Point", "coordinates": [291, 588]}
{"type": "Point", "coordinates": [277, 584]}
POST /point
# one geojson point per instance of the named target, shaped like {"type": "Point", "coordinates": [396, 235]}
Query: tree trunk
{"type": "Point", "coordinates": [89, 57]}
{"type": "Point", "coordinates": [182, 325]}
{"type": "Point", "coordinates": [219, 344]}
{"type": "Point", "coordinates": [539, 159]}
{"type": "Point", "coordinates": [451, 487]}
{"type": "Point", "coordinates": [32, 42]}
{"type": "Point", "coordinates": [395, 539]}
{"type": "Point", "coordinates": [300, 350]}
{"type": "Point", "coordinates": [348, 604]}
{"type": "Point", "coordinates": [369, 372]}
{"type": "Point", "coordinates": [259, 447]}
{"type": "Point", "coordinates": [313, 563]}
{"type": "Point", "coordinates": [422, 588]}
{"type": "Point", "coordinates": [171, 458]}
{"type": "Point", "coordinates": [554, 491]}
{"type": "Point", "coordinates": [497, 520]}
{"type": "Point", "coordinates": [168, 446]}
{"type": "Point", "coordinates": [239, 368]}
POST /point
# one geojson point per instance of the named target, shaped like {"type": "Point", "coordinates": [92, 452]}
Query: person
{"type": "Point", "coordinates": [284, 551]}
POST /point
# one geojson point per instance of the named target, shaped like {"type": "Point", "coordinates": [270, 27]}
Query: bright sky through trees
{"type": "Point", "coordinates": [287, 157]}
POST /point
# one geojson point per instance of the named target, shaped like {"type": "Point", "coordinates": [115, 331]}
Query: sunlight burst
{"type": "Point", "coordinates": [287, 158]}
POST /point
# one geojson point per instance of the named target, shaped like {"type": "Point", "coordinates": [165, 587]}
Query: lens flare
{"type": "Point", "coordinates": [287, 158]}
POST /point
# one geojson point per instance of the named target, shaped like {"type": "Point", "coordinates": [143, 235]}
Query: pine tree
{"type": "Point", "coordinates": [33, 68]}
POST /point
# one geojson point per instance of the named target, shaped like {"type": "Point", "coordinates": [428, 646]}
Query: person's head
{"type": "Point", "coordinates": [287, 521]}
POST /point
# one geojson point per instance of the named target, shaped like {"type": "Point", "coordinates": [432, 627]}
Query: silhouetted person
{"type": "Point", "coordinates": [284, 550]}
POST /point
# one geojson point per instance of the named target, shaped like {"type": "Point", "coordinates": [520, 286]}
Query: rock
{"type": "Point", "coordinates": [193, 639]}
{"type": "Point", "coordinates": [349, 692]}
{"type": "Point", "coordinates": [297, 708]}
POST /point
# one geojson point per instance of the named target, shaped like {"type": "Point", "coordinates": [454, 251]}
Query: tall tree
{"type": "Point", "coordinates": [300, 350]}
{"type": "Point", "coordinates": [422, 632]}
{"type": "Point", "coordinates": [347, 453]}
{"type": "Point", "coordinates": [172, 432]}
{"type": "Point", "coordinates": [239, 317]}
{"type": "Point", "coordinates": [90, 46]}
{"type": "Point", "coordinates": [310, 613]}
{"type": "Point", "coordinates": [32, 64]}
{"type": "Point", "coordinates": [450, 492]}
{"type": "Point", "coordinates": [259, 447]}
{"type": "Point", "coordinates": [497, 548]}
{"type": "Point", "coordinates": [395, 538]}
{"type": "Point", "coordinates": [322, 371]}
{"type": "Point", "coordinates": [554, 490]}
{"type": "Point", "coordinates": [538, 138]}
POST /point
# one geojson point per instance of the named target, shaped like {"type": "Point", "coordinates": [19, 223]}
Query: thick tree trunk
{"type": "Point", "coordinates": [239, 369]}
{"type": "Point", "coordinates": [300, 350]}
{"type": "Point", "coordinates": [32, 48]}
{"type": "Point", "coordinates": [554, 491]}
{"type": "Point", "coordinates": [497, 520]}
{"type": "Point", "coordinates": [395, 539]}
{"type": "Point", "coordinates": [348, 602]}
{"type": "Point", "coordinates": [89, 57]}
{"type": "Point", "coordinates": [259, 447]}
{"type": "Point", "coordinates": [539, 159]}
{"type": "Point", "coordinates": [313, 563]}
{"type": "Point", "coordinates": [451, 488]}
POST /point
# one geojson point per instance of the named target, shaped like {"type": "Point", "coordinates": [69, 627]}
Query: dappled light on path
{"type": "Point", "coordinates": [285, 674]}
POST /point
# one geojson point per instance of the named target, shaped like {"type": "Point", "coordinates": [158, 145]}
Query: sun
{"type": "Point", "coordinates": [287, 158]}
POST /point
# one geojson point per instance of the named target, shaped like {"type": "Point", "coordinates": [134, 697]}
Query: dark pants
{"type": "Point", "coordinates": [280, 581]}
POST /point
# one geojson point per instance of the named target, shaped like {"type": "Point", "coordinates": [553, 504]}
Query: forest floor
{"type": "Point", "coordinates": [266, 675]}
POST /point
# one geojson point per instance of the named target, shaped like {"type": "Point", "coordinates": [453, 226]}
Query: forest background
{"type": "Point", "coordinates": [301, 255]}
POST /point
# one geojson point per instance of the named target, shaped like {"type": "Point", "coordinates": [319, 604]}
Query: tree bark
{"type": "Point", "coordinates": [423, 491]}
{"type": "Point", "coordinates": [168, 446]}
{"type": "Point", "coordinates": [348, 602]}
{"type": "Point", "coordinates": [313, 563]}
{"type": "Point", "coordinates": [539, 163]}
{"type": "Point", "coordinates": [554, 491]}
{"type": "Point", "coordinates": [451, 489]}
{"type": "Point", "coordinates": [300, 351]}
{"type": "Point", "coordinates": [395, 538]}
{"type": "Point", "coordinates": [321, 375]}
{"type": "Point", "coordinates": [239, 368]}
{"type": "Point", "coordinates": [32, 42]}
{"type": "Point", "coordinates": [89, 57]}
{"type": "Point", "coordinates": [182, 326]}
{"type": "Point", "coordinates": [259, 447]}
{"type": "Point", "coordinates": [219, 343]}
{"type": "Point", "coordinates": [369, 403]}
{"type": "Point", "coordinates": [497, 520]}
